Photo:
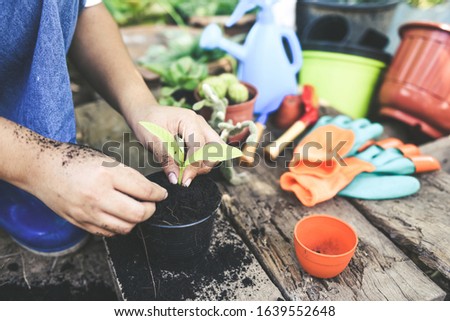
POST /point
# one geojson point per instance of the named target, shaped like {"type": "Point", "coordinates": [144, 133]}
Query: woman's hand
{"type": "Point", "coordinates": [193, 128]}
{"type": "Point", "coordinates": [93, 191]}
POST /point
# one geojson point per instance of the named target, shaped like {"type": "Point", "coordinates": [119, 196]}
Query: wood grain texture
{"type": "Point", "coordinates": [265, 216]}
{"type": "Point", "coordinates": [440, 149]}
{"type": "Point", "coordinates": [229, 271]}
{"type": "Point", "coordinates": [420, 224]}
{"type": "Point", "coordinates": [83, 275]}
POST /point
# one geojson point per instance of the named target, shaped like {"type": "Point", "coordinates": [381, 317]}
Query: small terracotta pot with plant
{"type": "Point", "coordinates": [228, 130]}
{"type": "Point", "coordinates": [240, 96]}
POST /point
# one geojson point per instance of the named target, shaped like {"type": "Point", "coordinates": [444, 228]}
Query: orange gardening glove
{"type": "Point", "coordinates": [320, 151]}
{"type": "Point", "coordinates": [331, 140]}
{"type": "Point", "coordinates": [312, 189]}
{"type": "Point", "coordinates": [318, 170]}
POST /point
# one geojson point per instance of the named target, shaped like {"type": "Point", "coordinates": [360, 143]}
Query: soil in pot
{"type": "Point", "coordinates": [182, 224]}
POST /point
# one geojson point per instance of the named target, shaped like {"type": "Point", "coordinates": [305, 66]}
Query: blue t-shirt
{"type": "Point", "coordinates": [34, 80]}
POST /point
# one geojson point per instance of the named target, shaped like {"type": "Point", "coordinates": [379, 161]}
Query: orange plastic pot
{"type": "Point", "coordinates": [237, 113]}
{"type": "Point", "coordinates": [324, 245]}
{"type": "Point", "coordinates": [416, 89]}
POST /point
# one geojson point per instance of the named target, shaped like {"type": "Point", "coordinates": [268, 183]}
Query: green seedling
{"type": "Point", "coordinates": [174, 146]}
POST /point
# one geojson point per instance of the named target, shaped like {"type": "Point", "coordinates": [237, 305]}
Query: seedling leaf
{"type": "Point", "coordinates": [214, 152]}
{"type": "Point", "coordinates": [171, 142]}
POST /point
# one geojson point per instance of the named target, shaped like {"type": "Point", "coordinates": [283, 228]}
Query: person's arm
{"type": "Point", "coordinates": [75, 183]}
{"type": "Point", "coordinates": [101, 56]}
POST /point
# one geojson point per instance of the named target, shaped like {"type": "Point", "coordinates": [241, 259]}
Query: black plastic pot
{"type": "Point", "coordinates": [339, 30]}
{"type": "Point", "coordinates": [344, 61]}
{"type": "Point", "coordinates": [335, 33]}
{"type": "Point", "coordinates": [374, 14]}
{"type": "Point", "coordinates": [182, 225]}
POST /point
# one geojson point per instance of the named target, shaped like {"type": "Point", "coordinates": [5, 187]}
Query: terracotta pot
{"type": "Point", "coordinates": [237, 113]}
{"type": "Point", "coordinates": [289, 111]}
{"type": "Point", "coordinates": [324, 245]}
{"type": "Point", "coordinates": [416, 89]}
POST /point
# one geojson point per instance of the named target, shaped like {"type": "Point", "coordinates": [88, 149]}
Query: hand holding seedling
{"type": "Point", "coordinates": [192, 132]}
{"type": "Point", "coordinates": [174, 146]}
{"type": "Point", "coordinates": [115, 77]}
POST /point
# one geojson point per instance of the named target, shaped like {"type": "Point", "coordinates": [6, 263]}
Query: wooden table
{"type": "Point", "coordinates": [403, 251]}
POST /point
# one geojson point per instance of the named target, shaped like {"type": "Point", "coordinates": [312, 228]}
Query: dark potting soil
{"type": "Point", "coordinates": [185, 205]}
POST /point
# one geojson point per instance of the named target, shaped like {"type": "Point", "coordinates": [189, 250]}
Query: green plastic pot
{"type": "Point", "coordinates": [347, 82]}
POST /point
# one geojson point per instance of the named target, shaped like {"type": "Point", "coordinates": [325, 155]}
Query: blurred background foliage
{"type": "Point", "coordinates": [425, 3]}
{"type": "Point", "coordinates": [130, 12]}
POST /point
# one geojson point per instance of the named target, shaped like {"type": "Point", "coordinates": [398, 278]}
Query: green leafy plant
{"type": "Point", "coordinates": [183, 74]}
{"type": "Point", "coordinates": [129, 12]}
{"type": "Point", "coordinates": [424, 3]}
{"type": "Point", "coordinates": [177, 43]}
{"type": "Point", "coordinates": [181, 64]}
{"type": "Point", "coordinates": [204, 7]}
{"type": "Point", "coordinates": [174, 145]}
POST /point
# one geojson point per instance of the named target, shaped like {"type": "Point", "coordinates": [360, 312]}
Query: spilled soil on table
{"type": "Point", "coordinates": [218, 276]}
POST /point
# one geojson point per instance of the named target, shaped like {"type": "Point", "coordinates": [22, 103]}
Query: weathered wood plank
{"type": "Point", "coordinates": [265, 216]}
{"type": "Point", "coordinates": [229, 271]}
{"type": "Point", "coordinates": [83, 275]}
{"type": "Point", "coordinates": [420, 224]}
{"type": "Point", "coordinates": [440, 149]}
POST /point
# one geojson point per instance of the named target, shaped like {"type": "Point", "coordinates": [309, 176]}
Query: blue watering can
{"type": "Point", "coordinates": [263, 61]}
